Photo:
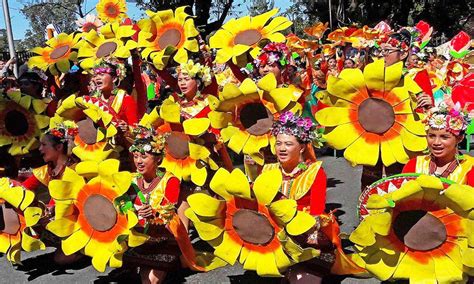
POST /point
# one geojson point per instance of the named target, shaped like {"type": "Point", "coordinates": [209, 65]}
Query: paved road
{"type": "Point", "coordinates": [343, 190]}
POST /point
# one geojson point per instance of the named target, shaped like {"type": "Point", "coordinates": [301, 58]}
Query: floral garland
{"type": "Point", "coordinates": [302, 128]}
{"type": "Point", "coordinates": [104, 68]}
{"type": "Point", "coordinates": [147, 140]}
{"type": "Point", "coordinates": [387, 39]}
{"type": "Point", "coordinates": [272, 53]}
{"type": "Point", "coordinates": [66, 131]}
{"type": "Point", "coordinates": [449, 116]}
{"type": "Point", "coordinates": [196, 70]}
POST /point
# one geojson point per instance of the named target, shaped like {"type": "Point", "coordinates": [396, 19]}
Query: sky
{"type": "Point", "coordinates": [20, 24]}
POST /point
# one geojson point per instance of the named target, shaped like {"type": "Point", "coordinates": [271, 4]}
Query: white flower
{"type": "Point", "coordinates": [89, 22]}
{"type": "Point", "coordinates": [147, 148]}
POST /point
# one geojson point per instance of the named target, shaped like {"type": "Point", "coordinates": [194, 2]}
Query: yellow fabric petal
{"type": "Point", "coordinates": [219, 182]}
{"type": "Point", "coordinates": [363, 234]}
{"type": "Point", "coordinates": [413, 142]}
{"type": "Point", "coordinates": [376, 201]}
{"type": "Point", "coordinates": [42, 121]}
{"type": "Point", "coordinates": [63, 208]}
{"type": "Point", "coordinates": [374, 74]}
{"type": "Point", "coordinates": [14, 195]}
{"type": "Point", "coordinates": [116, 260]}
{"type": "Point", "coordinates": [228, 132]}
{"type": "Point", "coordinates": [238, 141]}
{"type": "Point", "coordinates": [333, 116]}
{"type": "Point", "coordinates": [251, 261]}
{"type": "Point", "coordinates": [342, 136]}
{"type": "Point", "coordinates": [219, 120]}
{"type": "Point", "coordinates": [382, 265]}
{"type": "Point", "coordinates": [266, 265]}
{"type": "Point", "coordinates": [27, 199]}
{"type": "Point", "coordinates": [196, 126]}
{"type": "Point", "coordinates": [32, 215]}
{"type": "Point", "coordinates": [238, 184]}
{"type": "Point", "coordinates": [266, 186]}
{"type": "Point", "coordinates": [60, 190]}
{"type": "Point", "coordinates": [198, 174]}
{"type": "Point", "coordinates": [205, 205]}
{"type": "Point", "coordinates": [284, 210]}
{"type": "Point", "coordinates": [461, 196]}
{"type": "Point", "coordinates": [380, 223]}
{"type": "Point", "coordinates": [228, 250]}
{"type": "Point", "coordinates": [25, 101]}
{"type": "Point", "coordinates": [181, 56]}
{"type": "Point", "coordinates": [267, 83]}
{"type": "Point", "coordinates": [170, 111]}
{"type": "Point", "coordinates": [393, 74]}
{"type": "Point", "coordinates": [342, 87]}
{"type": "Point", "coordinates": [414, 126]}
{"type": "Point", "coordinates": [393, 151]}
{"type": "Point", "coordinates": [136, 239]}
{"type": "Point", "coordinates": [75, 242]}
{"type": "Point", "coordinates": [446, 270]}
{"type": "Point", "coordinates": [122, 182]}
{"type": "Point", "coordinates": [208, 230]}
{"type": "Point", "coordinates": [282, 259]}
{"type": "Point", "coordinates": [30, 244]}
{"type": "Point", "coordinates": [63, 227]}
{"type": "Point", "coordinates": [300, 224]}
{"type": "Point", "coordinates": [100, 260]}
{"type": "Point", "coordinates": [362, 153]}
{"type": "Point", "coordinates": [408, 189]}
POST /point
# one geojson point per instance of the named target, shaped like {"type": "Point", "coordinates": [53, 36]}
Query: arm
{"type": "Point", "coordinates": [130, 110]}
{"type": "Point", "coordinates": [31, 183]}
{"type": "Point", "coordinates": [318, 194]}
{"type": "Point", "coordinates": [410, 167]}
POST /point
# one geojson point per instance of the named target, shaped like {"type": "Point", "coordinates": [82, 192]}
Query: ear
{"type": "Point", "coordinates": [404, 55]}
{"type": "Point", "coordinates": [303, 148]}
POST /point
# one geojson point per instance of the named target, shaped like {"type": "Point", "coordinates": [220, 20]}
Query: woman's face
{"type": "Point", "coordinates": [29, 88]}
{"type": "Point", "coordinates": [443, 144]}
{"type": "Point", "coordinates": [104, 82]}
{"type": "Point", "coordinates": [288, 149]}
{"type": "Point", "coordinates": [348, 63]}
{"type": "Point", "coordinates": [187, 85]}
{"type": "Point", "coordinates": [146, 163]}
{"type": "Point", "coordinates": [274, 68]}
{"type": "Point", "coordinates": [49, 151]}
{"type": "Point", "coordinates": [332, 63]}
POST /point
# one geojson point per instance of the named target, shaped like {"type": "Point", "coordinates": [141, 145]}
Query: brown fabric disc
{"type": "Point", "coordinates": [253, 227]}
{"type": "Point", "coordinates": [100, 213]}
{"type": "Point", "coordinates": [11, 221]}
{"type": "Point", "coordinates": [59, 52]}
{"type": "Point", "coordinates": [171, 37]}
{"type": "Point", "coordinates": [106, 49]}
{"type": "Point", "coordinates": [376, 115]}
{"type": "Point", "coordinates": [177, 145]}
{"type": "Point", "coordinates": [248, 37]}
{"type": "Point", "coordinates": [256, 119]}
{"type": "Point", "coordinates": [419, 230]}
{"type": "Point", "coordinates": [16, 123]}
{"type": "Point", "coordinates": [87, 131]}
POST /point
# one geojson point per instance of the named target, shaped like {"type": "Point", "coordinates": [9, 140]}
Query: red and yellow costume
{"type": "Point", "coordinates": [125, 106]}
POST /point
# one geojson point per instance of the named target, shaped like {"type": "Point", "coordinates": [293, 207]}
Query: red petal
{"type": "Point", "coordinates": [460, 40]}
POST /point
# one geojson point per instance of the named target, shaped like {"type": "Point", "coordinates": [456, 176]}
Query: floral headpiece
{"type": "Point", "coordinates": [273, 52]}
{"type": "Point", "coordinates": [449, 116]}
{"type": "Point", "coordinates": [387, 39]}
{"type": "Point", "coordinates": [302, 128]}
{"type": "Point", "coordinates": [104, 68]}
{"type": "Point", "coordinates": [196, 70]}
{"type": "Point", "coordinates": [147, 140]}
{"type": "Point", "coordinates": [65, 132]}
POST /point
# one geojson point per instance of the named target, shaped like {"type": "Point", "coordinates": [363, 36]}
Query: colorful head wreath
{"type": "Point", "coordinates": [400, 40]}
{"type": "Point", "coordinates": [110, 66]}
{"type": "Point", "coordinates": [65, 133]}
{"type": "Point", "coordinates": [273, 53]}
{"type": "Point", "coordinates": [449, 116]}
{"type": "Point", "coordinates": [196, 70]}
{"type": "Point", "coordinates": [302, 128]}
{"type": "Point", "coordinates": [147, 140]}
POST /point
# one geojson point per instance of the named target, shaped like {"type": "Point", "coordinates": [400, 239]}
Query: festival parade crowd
{"type": "Point", "coordinates": [121, 138]}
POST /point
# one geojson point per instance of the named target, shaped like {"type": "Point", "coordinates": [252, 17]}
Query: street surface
{"type": "Point", "coordinates": [343, 190]}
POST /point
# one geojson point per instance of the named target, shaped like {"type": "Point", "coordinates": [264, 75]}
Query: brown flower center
{"type": "Point", "coordinates": [59, 52]}
{"type": "Point", "coordinates": [248, 37]}
{"type": "Point", "coordinates": [10, 223]}
{"type": "Point", "coordinates": [100, 213]}
{"type": "Point", "coordinates": [253, 227]}
{"type": "Point", "coordinates": [376, 115]}
{"type": "Point", "coordinates": [87, 131]}
{"type": "Point", "coordinates": [177, 145]}
{"type": "Point", "coordinates": [112, 10]}
{"type": "Point", "coordinates": [106, 49]}
{"type": "Point", "coordinates": [16, 123]}
{"type": "Point", "coordinates": [419, 230]}
{"type": "Point", "coordinates": [256, 119]}
{"type": "Point", "coordinates": [171, 37]}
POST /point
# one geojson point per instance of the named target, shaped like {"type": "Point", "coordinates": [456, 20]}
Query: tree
{"type": "Point", "coordinates": [60, 13]}
{"type": "Point", "coordinates": [209, 14]}
{"type": "Point", "coordinates": [258, 7]}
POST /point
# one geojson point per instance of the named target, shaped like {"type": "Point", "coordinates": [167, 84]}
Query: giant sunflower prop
{"type": "Point", "coordinates": [239, 36]}
{"type": "Point", "coordinates": [419, 232]}
{"type": "Point", "coordinates": [246, 113]}
{"type": "Point", "coordinates": [18, 219]}
{"type": "Point", "coordinates": [112, 11]}
{"type": "Point", "coordinates": [95, 122]}
{"type": "Point", "coordinates": [373, 115]}
{"type": "Point", "coordinates": [167, 34]}
{"type": "Point", "coordinates": [21, 122]}
{"type": "Point", "coordinates": [86, 213]}
{"type": "Point", "coordinates": [112, 41]}
{"type": "Point", "coordinates": [253, 230]}
{"type": "Point", "coordinates": [58, 55]}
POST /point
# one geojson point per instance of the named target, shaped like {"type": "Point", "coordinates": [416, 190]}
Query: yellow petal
{"type": "Point", "coordinates": [266, 265]}
{"type": "Point", "coordinates": [380, 223]}
{"type": "Point", "coordinates": [238, 184]}
{"type": "Point", "coordinates": [208, 230]}
{"type": "Point", "coordinates": [266, 186]}
{"type": "Point", "coordinates": [198, 174]}
{"type": "Point", "coordinates": [136, 239]}
{"type": "Point", "coordinates": [393, 74]}
{"type": "Point", "coordinates": [374, 74]}
{"type": "Point", "coordinates": [63, 227]}
{"type": "Point", "coordinates": [238, 141]}
{"type": "Point", "coordinates": [75, 242]}
{"type": "Point", "coordinates": [228, 250]}
{"type": "Point", "coordinates": [300, 224]}
{"type": "Point", "coordinates": [100, 260]}
{"type": "Point", "coordinates": [205, 205]}
{"type": "Point", "coordinates": [284, 210]}
{"type": "Point", "coordinates": [32, 215]}
{"type": "Point", "coordinates": [461, 195]}
{"type": "Point", "coordinates": [408, 189]}
{"type": "Point", "coordinates": [219, 120]}
{"type": "Point", "coordinates": [362, 153]}
{"type": "Point", "coordinates": [333, 116]}
{"type": "Point", "coordinates": [363, 234]}
{"type": "Point", "coordinates": [342, 136]}
{"type": "Point", "coordinates": [30, 244]}
{"type": "Point", "coordinates": [219, 183]}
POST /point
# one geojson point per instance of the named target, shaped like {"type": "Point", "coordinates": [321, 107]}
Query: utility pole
{"type": "Point", "coordinates": [8, 26]}
{"type": "Point", "coordinates": [330, 14]}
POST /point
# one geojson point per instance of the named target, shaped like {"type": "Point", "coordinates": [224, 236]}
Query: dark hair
{"type": "Point", "coordinates": [34, 79]}
{"type": "Point", "coordinates": [57, 141]}
{"type": "Point", "coordinates": [403, 36]}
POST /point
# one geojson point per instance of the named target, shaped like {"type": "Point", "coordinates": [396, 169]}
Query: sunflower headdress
{"type": "Point", "coordinates": [196, 70]}
{"type": "Point", "coordinates": [167, 35]}
{"type": "Point", "coordinates": [449, 116]}
{"type": "Point", "coordinates": [87, 215]}
{"type": "Point", "coordinates": [147, 140]}
{"type": "Point", "coordinates": [112, 11]}
{"type": "Point", "coordinates": [245, 114]}
{"type": "Point", "coordinates": [419, 232]}
{"type": "Point", "coordinates": [302, 128]}
{"type": "Point", "coordinates": [88, 23]}
{"type": "Point", "coordinates": [58, 55]}
{"type": "Point", "coordinates": [111, 41]}
{"type": "Point", "coordinates": [22, 120]}
{"type": "Point", "coordinates": [19, 216]}
{"type": "Point", "coordinates": [252, 230]}
{"type": "Point", "coordinates": [240, 36]}
{"type": "Point", "coordinates": [371, 112]}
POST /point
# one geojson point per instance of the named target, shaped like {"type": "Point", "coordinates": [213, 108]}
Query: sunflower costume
{"type": "Point", "coordinates": [18, 216]}
{"type": "Point", "coordinates": [420, 232]}
{"type": "Point", "coordinates": [22, 119]}
{"type": "Point", "coordinates": [112, 11]}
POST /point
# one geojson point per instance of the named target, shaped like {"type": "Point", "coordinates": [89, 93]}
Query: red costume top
{"type": "Point", "coordinates": [125, 106]}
